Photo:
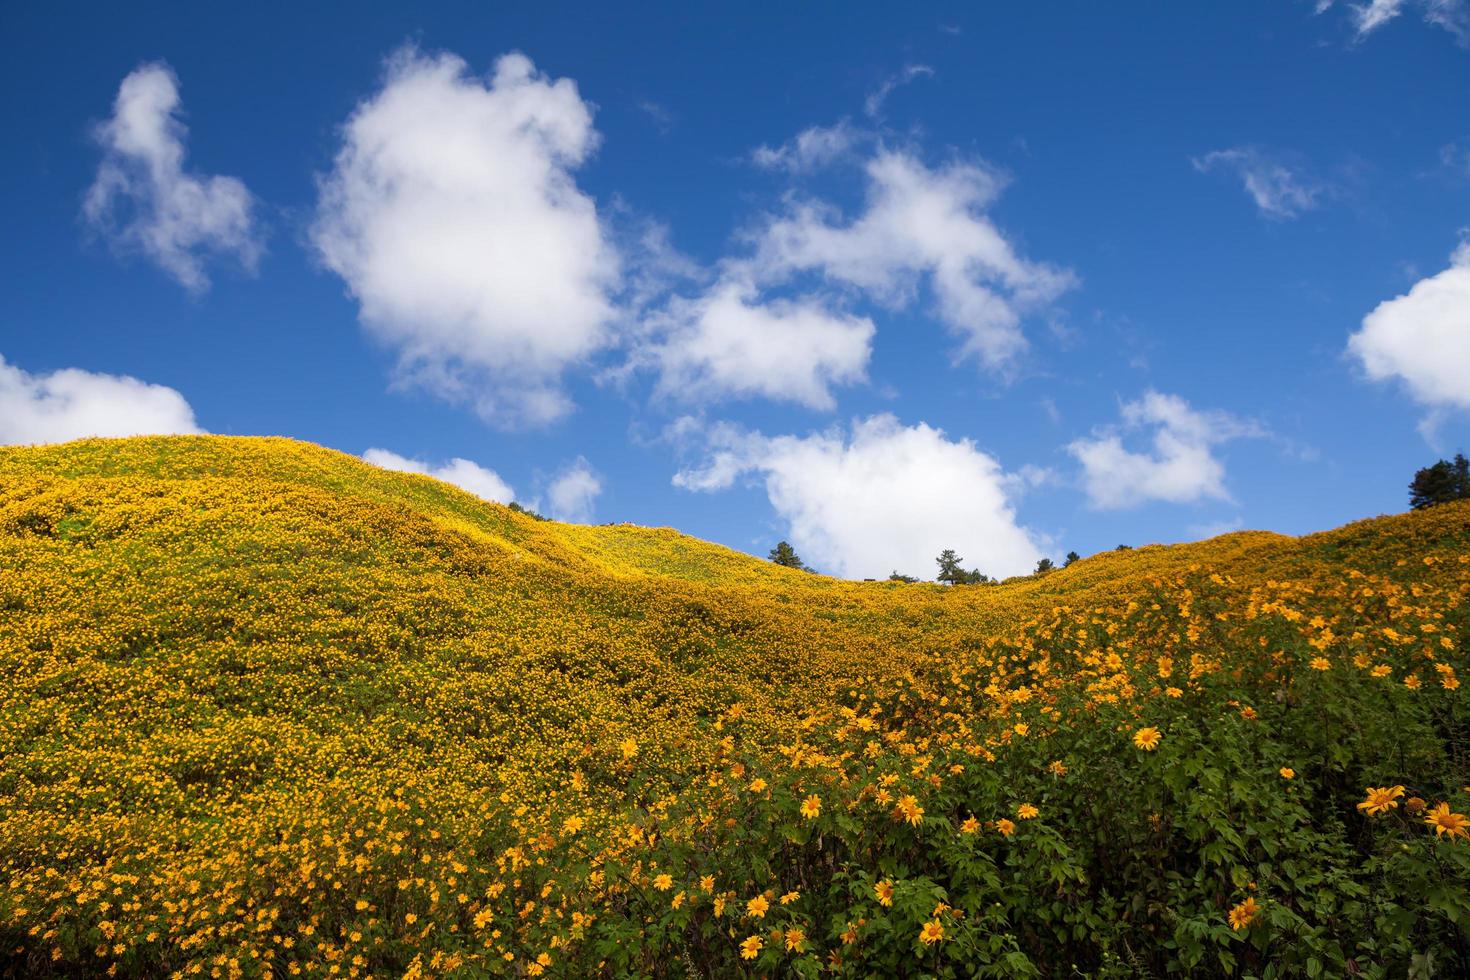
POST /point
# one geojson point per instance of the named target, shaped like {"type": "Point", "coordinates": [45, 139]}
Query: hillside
{"type": "Point", "coordinates": [266, 708]}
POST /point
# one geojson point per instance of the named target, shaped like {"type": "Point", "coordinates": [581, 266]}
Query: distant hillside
{"type": "Point", "coordinates": [267, 708]}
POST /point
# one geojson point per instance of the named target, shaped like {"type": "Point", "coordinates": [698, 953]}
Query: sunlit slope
{"type": "Point", "coordinates": [220, 658]}
{"type": "Point", "coordinates": [268, 578]}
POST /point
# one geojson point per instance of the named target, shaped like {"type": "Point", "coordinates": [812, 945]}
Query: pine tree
{"type": "Point", "coordinates": [1044, 566]}
{"type": "Point", "coordinates": [951, 567]}
{"type": "Point", "coordinates": [1071, 557]}
{"type": "Point", "coordinates": [785, 555]}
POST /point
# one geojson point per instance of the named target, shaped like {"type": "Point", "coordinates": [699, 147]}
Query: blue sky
{"type": "Point", "coordinates": [1036, 279]}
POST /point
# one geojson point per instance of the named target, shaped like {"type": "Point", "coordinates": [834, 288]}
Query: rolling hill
{"type": "Point", "coordinates": [269, 710]}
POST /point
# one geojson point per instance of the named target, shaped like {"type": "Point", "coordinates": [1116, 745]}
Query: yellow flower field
{"type": "Point", "coordinates": [269, 711]}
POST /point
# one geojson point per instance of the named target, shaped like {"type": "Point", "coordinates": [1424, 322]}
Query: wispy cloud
{"type": "Point", "coordinates": [873, 105]}
{"type": "Point", "coordinates": [1280, 190]}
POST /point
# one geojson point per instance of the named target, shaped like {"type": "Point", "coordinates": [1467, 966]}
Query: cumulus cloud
{"type": "Point", "coordinates": [920, 224]}
{"type": "Point", "coordinates": [453, 216]}
{"type": "Point", "coordinates": [881, 496]}
{"type": "Point", "coordinates": [1422, 338]}
{"type": "Point", "coordinates": [1278, 190]}
{"type": "Point", "coordinates": [143, 199]}
{"type": "Point", "coordinates": [573, 493]}
{"type": "Point", "coordinates": [811, 149]}
{"type": "Point", "coordinates": [728, 343]}
{"type": "Point", "coordinates": [469, 476]}
{"type": "Point", "coordinates": [1180, 467]}
{"type": "Point", "coordinates": [74, 404]}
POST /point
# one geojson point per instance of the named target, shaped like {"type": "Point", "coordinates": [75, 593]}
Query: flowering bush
{"type": "Point", "coordinates": [268, 711]}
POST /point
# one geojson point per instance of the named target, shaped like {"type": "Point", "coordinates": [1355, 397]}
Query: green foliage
{"type": "Point", "coordinates": [785, 555]}
{"type": "Point", "coordinates": [951, 570]}
{"type": "Point", "coordinates": [1134, 859]}
{"type": "Point", "coordinates": [1441, 483]}
{"type": "Point", "coordinates": [1071, 557]}
{"type": "Point", "coordinates": [1043, 566]}
{"type": "Point", "coordinates": [526, 510]}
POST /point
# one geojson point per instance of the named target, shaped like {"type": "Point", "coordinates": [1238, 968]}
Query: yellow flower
{"type": "Point", "coordinates": [663, 882]}
{"type": "Point", "coordinates": [908, 809]}
{"type": "Point", "coordinates": [1147, 739]}
{"type": "Point", "coordinates": [1057, 768]}
{"type": "Point", "coordinates": [1412, 682]}
{"type": "Point", "coordinates": [1445, 822]}
{"type": "Point", "coordinates": [931, 933]}
{"type": "Point", "coordinates": [1381, 799]}
{"type": "Point", "coordinates": [884, 891]}
{"type": "Point", "coordinates": [790, 897]}
{"type": "Point", "coordinates": [756, 907]}
{"type": "Point", "coordinates": [969, 826]}
{"type": "Point", "coordinates": [1026, 811]}
{"type": "Point", "coordinates": [751, 948]}
{"type": "Point", "coordinates": [707, 883]}
{"type": "Point", "coordinates": [757, 785]}
{"type": "Point", "coordinates": [1243, 914]}
{"type": "Point", "coordinates": [811, 806]}
{"type": "Point", "coordinates": [1287, 772]}
{"type": "Point", "coordinates": [629, 747]}
{"type": "Point", "coordinates": [1382, 670]}
{"type": "Point", "coordinates": [573, 824]}
{"type": "Point", "coordinates": [1321, 663]}
{"type": "Point", "coordinates": [1022, 728]}
{"type": "Point", "coordinates": [1006, 827]}
{"type": "Point", "coordinates": [795, 938]}
{"type": "Point", "coordinates": [1449, 682]}
{"type": "Point", "coordinates": [1248, 713]}
{"type": "Point", "coordinates": [1173, 692]}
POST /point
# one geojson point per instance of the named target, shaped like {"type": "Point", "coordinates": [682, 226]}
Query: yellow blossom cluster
{"type": "Point", "coordinates": [267, 710]}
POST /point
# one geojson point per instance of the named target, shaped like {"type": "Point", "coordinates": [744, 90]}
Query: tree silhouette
{"type": "Point", "coordinates": [1440, 483]}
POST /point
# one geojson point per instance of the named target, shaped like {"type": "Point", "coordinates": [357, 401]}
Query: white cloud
{"type": "Point", "coordinates": [1422, 338]}
{"type": "Point", "coordinates": [1180, 467]}
{"type": "Point", "coordinates": [143, 199]}
{"type": "Point", "coordinates": [574, 491]}
{"type": "Point", "coordinates": [1368, 17]}
{"type": "Point", "coordinates": [811, 149]}
{"type": "Point", "coordinates": [75, 404]}
{"type": "Point", "coordinates": [873, 106]}
{"type": "Point", "coordinates": [453, 216]}
{"type": "Point", "coordinates": [918, 223]}
{"type": "Point", "coordinates": [1278, 190]}
{"type": "Point", "coordinates": [728, 344]}
{"type": "Point", "coordinates": [472, 477]}
{"type": "Point", "coordinates": [1213, 529]}
{"type": "Point", "coordinates": [884, 496]}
